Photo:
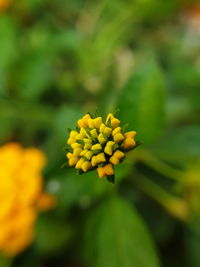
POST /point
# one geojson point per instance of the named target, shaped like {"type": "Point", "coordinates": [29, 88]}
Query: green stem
{"type": "Point", "coordinates": [152, 189]}
{"type": "Point", "coordinates": [158, 165]}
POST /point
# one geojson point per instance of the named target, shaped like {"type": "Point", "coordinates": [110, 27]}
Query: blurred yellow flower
{"type": "Point", "coordinates": [98, 145]}
{"type": "Point", "coordinates": [4, 4]}
{"type": "Point", "coordinates": [21, 196]}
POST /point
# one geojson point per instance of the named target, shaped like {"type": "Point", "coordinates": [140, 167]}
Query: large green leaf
{"type": "Point", "coordinates": [180, 145]}
{"type": "Point", "coordinates": [117, 237]}
{"type": "Point", "coordinates": [142, 101]}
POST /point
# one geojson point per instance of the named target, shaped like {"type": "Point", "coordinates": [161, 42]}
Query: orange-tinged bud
{"type": "Point", "coordinates": [119, 154]}
{"type": "Point", "coordinates": [115, 122]}
{"type": "Point", "coordinates": [101, 172]}
{"type": "Point", "coordinates": [118, 138]}
{"type": "Point", "coordinates": [46, 202]}
{"type": "Point", "coordinates": [109, 169]}
{"type": "Point", "coordinates": [129, 143]}
{"type": "Point", "coordinates": [130, 134]}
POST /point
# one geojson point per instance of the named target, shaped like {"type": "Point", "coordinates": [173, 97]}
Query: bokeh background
{"type": "Point", "coordinates": [61, 59]}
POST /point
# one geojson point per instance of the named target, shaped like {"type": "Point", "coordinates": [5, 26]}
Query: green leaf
{"type": "Point", "coordinates": [111, 178]}
{"type": "Point", "coordinates": [4, 261]}
{"type": "Point", "coordinates": [80, 188]}
{"type": "Point", "coordinates": [142, 102]}
{"type": "Point", "coordinates": [116, 236]}
{"type": "Point", "coordinates": [180, 145]}
{"type": "Point", "coordinates": [58, 232]}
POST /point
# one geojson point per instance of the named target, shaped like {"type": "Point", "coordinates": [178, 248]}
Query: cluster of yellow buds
{"type": "Point", "coordinates": [21, 196]}
{"type": "Point", "coordinates": [98, 145]}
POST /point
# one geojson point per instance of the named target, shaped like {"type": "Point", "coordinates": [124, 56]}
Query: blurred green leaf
{"type": "Point", "coordinates": [180, 145]}
{"type": "Point", "coordinates": [52, 235]}
{"type": "Point", "coordinates": [142, 101]}
{"type": "Point", "coordinates": [4, 261]}
{"type": "Point", "coordinates": [81, 189]}
{"type": "Point", "coordinates": [8, 50]}
{"type": "Point", "coordinates": [116, 236]}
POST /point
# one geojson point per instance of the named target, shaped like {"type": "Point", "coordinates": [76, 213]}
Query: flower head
{"type": "Point", "coordinates": [98, 144]}
{"type": "Point", "coordinates": [21, 196]}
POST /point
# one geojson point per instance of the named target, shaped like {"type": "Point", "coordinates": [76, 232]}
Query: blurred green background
{"type": "Point", "coordinates": [61, 59]}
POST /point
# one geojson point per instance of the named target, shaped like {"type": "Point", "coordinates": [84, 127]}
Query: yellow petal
{"type": "Point", "coordinates": [114, 160]}
{"type": "Point", "coordinates": [73, 161]}
{"type": "Point", "coordinates": [107, 131]}
{"type": "Point", "coordinates": [129, 143]}
{"type": "Point", "coordinates": [71, 140]}
{"type": "Point", "coordinates": [96, 147]}
{"type": "Point", "coordinates": [97, 122]}
{"type": "Point", "coordinates": [77, 151]}
{"type": "Point", "coordinates": [119, 154]}
{"type": "Point", "coordinates": [94, 133]}
{"type": "Point", "coordinates": [130, 134]}
{"type": "Point", "coordinates": [86, 166]}
{"type": "Point", "coordinates": [115, 122]}
{"type": "Point", "coordinates": [109, 169]}
{"type": "Point", "coordinates": [101, 138]}
{"type": "Point", "coordinates": [93, 161]}
{"type": "Point", "coordinates": [69, 155]}
{"type": "Point", "coordinates": [102, 128]}
{"type": "Point", "coordinates": [88, 155]}
{"type": "Point", "coordinates": [109, 117]}
{"type": "Point", "coordinates": [100, 158]}
{"type": "Point", "coordinates": [84, 152]}
{"type": "Point", "coordinates": [108, 148]}
{"type": "Point", "coordinates": [73, 134]}
{"type": "Point", "coordinates": [118, 138]}
{"type": "Point", "coordinates": [101, 172]}
{"type": "Point", "coordinates": [116, 131]}
{"type": "Point", "coordinates": [91, 123]}
{"type": "Point", "coordinates": [79, 163]}
{"type": "Point", "coordinates": [76, 145]}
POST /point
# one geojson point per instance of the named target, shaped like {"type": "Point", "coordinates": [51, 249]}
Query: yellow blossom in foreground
{"type": "Point", "coordinates": [21, 196]}
{"type": "Point", "coordinates": [4, 4]}
{"type": "Point", "coordinates": [98, 144]}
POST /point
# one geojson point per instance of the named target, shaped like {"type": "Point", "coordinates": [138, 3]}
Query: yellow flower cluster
{"type": "Point", "coordinates": [98, 145]}
{"type": "Point", "coordinates": [21, 196]}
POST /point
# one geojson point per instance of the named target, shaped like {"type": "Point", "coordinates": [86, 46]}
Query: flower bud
{"type": "Point", "coordinates": [108, 148]}
{"type": "Point", "coordinates": [118, 138]}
